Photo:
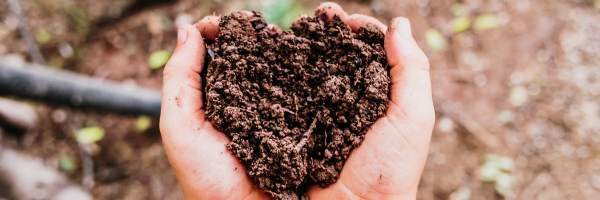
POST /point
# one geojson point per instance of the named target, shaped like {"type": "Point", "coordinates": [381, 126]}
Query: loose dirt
{"type": "Point", "coordinates": [295, 104]}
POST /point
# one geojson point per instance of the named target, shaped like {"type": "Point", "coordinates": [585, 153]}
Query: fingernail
{"type": "Point", "coordinates": [182, 35]}
{"type": "Point", "coordinates": [403, 26]}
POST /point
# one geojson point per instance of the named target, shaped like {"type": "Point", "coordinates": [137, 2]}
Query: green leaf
{"type": "Point", "coordinates": [503, 183]}
{"type": "Point", "coordinates": [489, 172]}
{"type": "Point", "coordinates": [90, 135]}
{"type": "Point", "coordinates": [500, 162]}
{"type": "Point", "coordinates": [597, 4]}
{"type": "Point", "coordinates": [458, 9]}
{"type": "Point", "coordinates": [66, 164]}
{"type": "Point", "coordinates": [460, 24]}
{"type": "Point", "coordinates": [142, 123]}
{"type": "Point", "coordinates": [43, 36]}
{"type": "Point", "coordinates": [435, 40]}
{"type": "Point", "coordinates": [159, 59]}
{"type": "Point", "coordinates": [485, 22]}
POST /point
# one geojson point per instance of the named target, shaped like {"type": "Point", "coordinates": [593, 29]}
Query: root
{"type": "Point", "coordinates": [288, 111]}
{"type": "Point", "coordinates": [306, 136]}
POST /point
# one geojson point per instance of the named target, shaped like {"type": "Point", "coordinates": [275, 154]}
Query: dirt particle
{"type": "Point", "coordinates": [177, 100]}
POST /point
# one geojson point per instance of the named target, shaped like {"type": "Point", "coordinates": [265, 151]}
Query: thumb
{"type": "Point", "coordinates": [411, 98]}
{"type": "Point", "coordinates": [182, 94]}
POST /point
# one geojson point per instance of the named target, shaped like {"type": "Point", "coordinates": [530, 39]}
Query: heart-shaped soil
{"type": "Point", "coordinates": [295, 104]}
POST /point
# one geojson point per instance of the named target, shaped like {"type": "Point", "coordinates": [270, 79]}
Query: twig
{"type": "Point", "coordinates": [88, 168]}
{"type": "Point", "coordinates": [306, 136]}
{"type": "Point", "coordinates": [343, 36]}
{"type": "Point", "coordinates": [289, 111]}
{"type": "Point", "coordinates": [87, 164]}
{"type": "Point", "coordinates": [34, 50]}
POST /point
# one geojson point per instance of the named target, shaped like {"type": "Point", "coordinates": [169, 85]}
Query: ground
{"type": "Point", "coordinates": [526, 89]}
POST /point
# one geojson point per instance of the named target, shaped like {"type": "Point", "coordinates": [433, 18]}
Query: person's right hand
{"type": "Point", "coordinates": [390, 160]}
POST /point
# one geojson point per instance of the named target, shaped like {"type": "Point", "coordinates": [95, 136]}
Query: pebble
{"type": "Point", "coordinates": [59, 116]}
{"type": "Point", "coordinates": [72, 193]}
{"type": "Point", "coordinates": [17, 114]}
{"type": "Point", "coordinates": [506, 116]}
{"type": "Point", "coordinates": [518, 96]}
{"type": "Point", "coordinates": [445, 124]}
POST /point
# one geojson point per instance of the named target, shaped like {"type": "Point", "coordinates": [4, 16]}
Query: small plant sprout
{"type": "Point", "coordinates": [43, 36]}
{"type": "Point", "coordinates": [66, 165]}
{"type": "Point", "coordinates": [90, 135]}
{"type": "Point", "coordinates": [496, 169]}
{"type": "Point", "coordinates": [458, 9]}
{"type": "Point", "coordinates": [142, 123]}
{"type": "Point", "coordinates": [159, 59]}
{"type": "Point", "coordinates": [460, 24]}
{"type": "Point", "coordinates": [435, 40]}
{"type": "Point", "coordinates": [485, 22]}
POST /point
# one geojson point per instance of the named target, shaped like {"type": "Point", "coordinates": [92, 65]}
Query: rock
{"type": "Point", "coordinates": [17, 115]}
{"type": "Point", "coordinates": [28, 178]}
{"type": "Point", "coordinates": [72, 193]}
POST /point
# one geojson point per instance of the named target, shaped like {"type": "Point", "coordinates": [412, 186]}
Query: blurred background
{"type": "Point", "coordinates": [516, 87]}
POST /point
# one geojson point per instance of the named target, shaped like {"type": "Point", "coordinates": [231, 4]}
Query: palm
{"type": "Point", "coordinates": [387, 164]}
{"type": "Point", "coordinates": [203, 160]}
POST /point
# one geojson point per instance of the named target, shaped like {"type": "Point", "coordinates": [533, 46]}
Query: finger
{"type": "Point", "coordinates": [209, 27]}
{"type": "Point", "coordinates": [274, 30]}
{"type": "Point", "coordinates": [182, 96]}
{"type": "Point", "coordinates": [411, 98]}
{"type": "Point", "coordinates": [356, 21]}
{"type": "Point", "coordinates": [326, 11]}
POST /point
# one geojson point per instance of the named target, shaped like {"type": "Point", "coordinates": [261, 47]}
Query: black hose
{"type": "Point", "coordinates": [42, 83]}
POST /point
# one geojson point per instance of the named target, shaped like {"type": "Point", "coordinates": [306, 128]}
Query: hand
{"type": "Point", "coordinates": [204, 167]}
{"type": "Point", "coordinates": [388, 164]}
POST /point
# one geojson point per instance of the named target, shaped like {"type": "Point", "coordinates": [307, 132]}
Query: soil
{"type": "Point", "coordinates": [295, 104]}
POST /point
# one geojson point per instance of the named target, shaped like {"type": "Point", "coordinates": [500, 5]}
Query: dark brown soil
{"type": "Point", "coordinates": [296, 104]}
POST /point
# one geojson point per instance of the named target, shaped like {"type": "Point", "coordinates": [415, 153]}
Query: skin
{"type": "Point", "coordinates": [387, 165]}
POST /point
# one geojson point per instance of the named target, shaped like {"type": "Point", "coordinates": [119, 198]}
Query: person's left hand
{"type": "Point", "coordinates": [204, 167]}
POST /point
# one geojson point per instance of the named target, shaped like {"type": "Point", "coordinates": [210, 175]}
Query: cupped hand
{"type": "Point", "coordinates": [387, 165]}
